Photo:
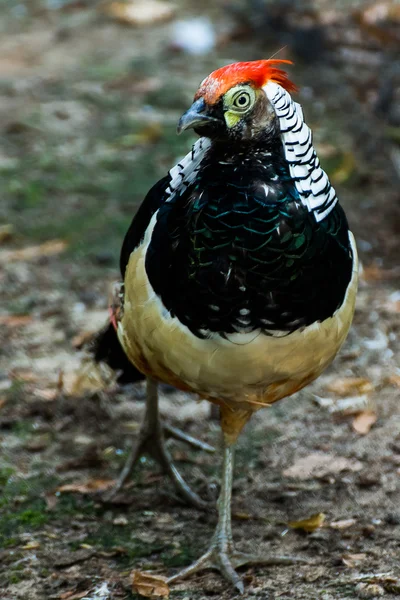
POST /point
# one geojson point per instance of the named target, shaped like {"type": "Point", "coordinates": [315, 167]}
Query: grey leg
{"type": "Point", "coordinates": [151, 441]}
{"type": "Point", "coordinates": [222, 555]}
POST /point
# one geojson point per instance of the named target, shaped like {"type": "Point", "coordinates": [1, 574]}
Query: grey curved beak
{"type": "Point", "coordinates": [194, 117]}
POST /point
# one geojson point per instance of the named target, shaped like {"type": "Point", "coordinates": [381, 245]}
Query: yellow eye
{"type": "Point", "coordinates": [241, 101]}
{"type": "Point", "coordinates": [238, 101]}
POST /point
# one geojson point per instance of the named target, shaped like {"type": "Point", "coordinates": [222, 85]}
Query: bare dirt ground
{"type": "Point", "coordinates": [88, 108]}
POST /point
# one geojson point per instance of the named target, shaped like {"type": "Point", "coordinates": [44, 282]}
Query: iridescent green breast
{"type": "Point", "coordinates": [236, 250]}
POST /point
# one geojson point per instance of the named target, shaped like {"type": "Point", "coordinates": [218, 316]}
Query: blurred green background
{"type": "Point", "coordinates": [90, 93]}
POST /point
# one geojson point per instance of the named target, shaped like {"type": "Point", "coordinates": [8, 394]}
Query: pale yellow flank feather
{"type": "Point", "coordinates": [247, 371]}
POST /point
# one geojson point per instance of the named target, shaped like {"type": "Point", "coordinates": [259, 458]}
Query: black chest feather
{"type": "Point", "coordinates": [237, 251]}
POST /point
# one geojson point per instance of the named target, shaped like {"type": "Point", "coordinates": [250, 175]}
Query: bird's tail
{"type": "Point", "coordinates": [105, 347]}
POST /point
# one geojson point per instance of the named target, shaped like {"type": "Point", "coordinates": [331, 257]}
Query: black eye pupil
{"type": "Point", "coordinates": [242, 100]}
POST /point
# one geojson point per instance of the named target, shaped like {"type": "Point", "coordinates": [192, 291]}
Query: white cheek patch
{"type": "Point", "coordinates": [311, 181]}
{"type": "Point", "coordinates": [184, 173]}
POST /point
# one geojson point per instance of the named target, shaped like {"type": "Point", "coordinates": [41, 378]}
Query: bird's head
{"type": "Point", "coordinates": [231, 104]}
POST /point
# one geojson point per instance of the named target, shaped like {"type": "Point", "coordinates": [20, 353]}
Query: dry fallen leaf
{"type": "Point", "coordinates": [140, 12]}
{"type": "Point", "coordinates": [48, 394]}
{"type": "Point", "coordinates": [375, 273]}
{"type": "Point", "coordinates": [342, 524]}
{"type": "Point", "coordinates": [24, 375]}
{"type": "Point", "coordinates": [15, 320]}
{"type": "Point", "coordinates": [73, 595]}
{"type": "Point", "coordinates": [363, 422]}
{"type": "Point", "coordinates": [381, 11]}
{"type": "Point", "coordinates": [310, 524]}
{"type": "Point", "coordinates": [32, 252]}
{"type": "Point", "coordinates": [320, 465]}
{"type": "Point", "coordinates": [346, 386]}
{"type": "Point", "coordinates": [87, 487]}
{"type": "Point", "coordinates": [394, 380]}
{"type": "Point", "coordinates": [242, 516]}
{"type": "Point", "coordinates": [392, 306]}
{"type": "Point", "coordinates": [381, 21]}
{"type": "Point", "coordinates": [352, 560]}
{"type": "Point", "coordinates": [31, 546]}
{"type": "Point", "coordinates": [150, 586]}
{"type": "Point", "coordinates": [82, 338]}
{"type": "Point", "coordinates": [87, 379]}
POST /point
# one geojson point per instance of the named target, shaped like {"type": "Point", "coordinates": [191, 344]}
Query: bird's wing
{"type": "Point", "coordinates": [105, 346]}
{"type": "Point", "coordinates": [152, 202]}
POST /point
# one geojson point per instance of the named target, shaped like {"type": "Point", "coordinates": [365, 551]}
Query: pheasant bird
{"type": "Point", "coordinates": [239, 269]}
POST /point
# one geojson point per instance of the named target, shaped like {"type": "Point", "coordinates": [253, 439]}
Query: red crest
{"type": "Point", "coordinates": [257, 73]}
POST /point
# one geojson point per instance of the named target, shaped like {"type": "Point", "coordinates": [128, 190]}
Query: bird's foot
{"type": "Point", "coordinates": [151, 442]}
{"type": "Point", "coordinates": [223, 557]}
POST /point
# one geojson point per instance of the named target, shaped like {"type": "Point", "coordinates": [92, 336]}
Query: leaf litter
{"type": "Point", "coordinates": [364, 421]}
{"type": "Point", "coordinates": [350, 386]}
{"type": "Point", "coordinates": [50, 248]}
{"type": "Point", "coordinates": [149, 585]}
{"type": "Point", "coordinates": [89, 486]}
{"type": "Point", "coordinates": [318, 465]}
{"type": "Point", "coordinates": [309, 524]}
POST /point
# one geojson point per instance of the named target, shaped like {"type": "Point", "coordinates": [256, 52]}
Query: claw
{"type": "Point", "coordinates": [222, 555]}
{"type": "Point", "coordinates": [151, 442]}
{"type": "Point", "coordinates": [226, 560]}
